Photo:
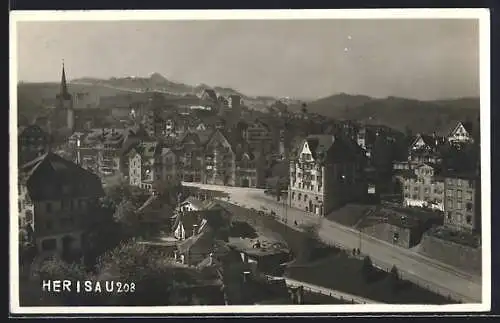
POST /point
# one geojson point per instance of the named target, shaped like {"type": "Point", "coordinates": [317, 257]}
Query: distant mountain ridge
{"type": "Point", "coordinates": [396, 112]}
{"type": "Point", "coordinates": [158, 82]}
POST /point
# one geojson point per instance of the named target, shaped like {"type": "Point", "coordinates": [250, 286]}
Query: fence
{"type": "Point", "coordinates": [344, 297]}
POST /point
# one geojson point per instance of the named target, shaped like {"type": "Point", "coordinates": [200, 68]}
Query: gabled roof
{"type": "Point", "coordinates": [211, 94]}
{"type": "Point", "coordinates": [51, 177]}
{"type": "Point", "coordinates": [195, 202]}
{"type": "Point", "coordinates": [428, 140]}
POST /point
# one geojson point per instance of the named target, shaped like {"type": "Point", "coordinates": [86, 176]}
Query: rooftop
{"type": "Point", "coordinates": [258, 247]}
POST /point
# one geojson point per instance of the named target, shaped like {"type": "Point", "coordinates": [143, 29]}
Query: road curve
{"type": "Point", "coordinates": [426, 272]}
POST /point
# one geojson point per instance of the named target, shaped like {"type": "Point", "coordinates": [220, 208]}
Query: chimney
{"type": "Point", "coordinates": [211, 255]}
{"type": "Point", "coordinates": [195, 229]}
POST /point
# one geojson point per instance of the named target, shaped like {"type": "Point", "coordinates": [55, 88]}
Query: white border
{"type": "Point", "coordinates": [106, 15]}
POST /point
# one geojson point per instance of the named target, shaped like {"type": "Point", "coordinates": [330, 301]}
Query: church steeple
{"type": "Point", "coordinates": [64, 94]}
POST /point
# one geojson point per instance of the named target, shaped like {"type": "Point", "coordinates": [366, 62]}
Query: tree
{"type": "Point", "coordinates": [309, 242]}
{"type": "Point", "coordinates": [156, 278]}
{"type": "Point", "coordinates": [367, 267]}
{"type": "Point", "coordinates": [57, 269]}
{"type": "Point", "coordinates": [394, 276]}
{"type": "Point", "coordinates": [169, 191]}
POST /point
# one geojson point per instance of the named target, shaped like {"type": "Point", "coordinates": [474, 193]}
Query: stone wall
{"type": "Point", "coordinates": [460, 256]}
{"type": "Point", "coordinates": [386, 231]}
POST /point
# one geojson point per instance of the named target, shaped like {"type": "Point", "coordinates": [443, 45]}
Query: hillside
{"type": "Point", "coordinates": [398, 113]}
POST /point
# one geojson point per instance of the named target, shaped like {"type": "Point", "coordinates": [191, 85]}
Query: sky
{"type": "Point", "coordinates": [420, 59]}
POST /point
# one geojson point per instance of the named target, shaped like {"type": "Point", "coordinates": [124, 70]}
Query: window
{"type": "Point", "coordinates": [468, 196]}
{"type": "Point", "coordinates": [293, 195]}
{"type": "Point", "coordinates": [299, 197]}
{"type": "Point", "coordinates": [305, 198]}
{"type": "Point", "coordinates": [449, 193]}
{"type": "Point", "coordinates": [459, 182]}
{"type": "Point", "coordinates": [459, 194]}
{"type": "Point", "coordinates": [469, 219]}
{"type": "Point", "coordinates": [459, 205]}
{"type": "Point", "coordinates": [470, 184]}
{"type": "Point", "coordinates": [468, 207]}
{"type": "Point", "coordinates": [448, 215]}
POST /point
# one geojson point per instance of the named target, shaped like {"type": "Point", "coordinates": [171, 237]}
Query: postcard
{"type": "Point", "coordinates": [250, 161]}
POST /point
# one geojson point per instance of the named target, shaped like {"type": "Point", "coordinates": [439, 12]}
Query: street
{"type": "Point", "coordinates": [424, 271]}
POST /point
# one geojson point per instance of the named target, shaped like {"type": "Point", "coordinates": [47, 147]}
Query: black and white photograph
{"type": "Point", "coordinates": [250, 161]}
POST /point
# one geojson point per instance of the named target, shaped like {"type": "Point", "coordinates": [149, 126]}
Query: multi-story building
{"type": "Point", "coordinates": [143, 170]}
{"type": "Point", "coordinates": [219, 161]}
{"type": "Point", "coordinates": [423, 186]}
{"type": "Point", "coordinates": [462, 204]}
{"type": "Point", "coordinates": [191, 154]}
{"type": "Point", "coordinates": [461, 134]}
{"type": "Point", "coordinates": [257, 134]}
{"type": "Point", "coordinates": [33, 142]}
{"type": "Point", "coordinates": [325, 174]}
{"type": "Point", "coordinates": [57, 199]}
{"type": "Point", "coordinates": [425, 149]}
{"type": "Point", "coordinates": [99, 150]}
{"type": "Point", "coordinates": [250, 169]}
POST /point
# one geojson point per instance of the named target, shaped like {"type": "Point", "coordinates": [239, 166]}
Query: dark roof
{"type": "Point", "coordinates": [211, 94]}
{"type": "Point", "coordinates": [202, 243]}
{"type": "Point", "coordinates": [51, 177]}
{"type": "Point", "coordinates": [188, 220]}
{"type": "Point", "coordinates": [195, 202]}
{"type": "Point", "coordinates": [319, 144]}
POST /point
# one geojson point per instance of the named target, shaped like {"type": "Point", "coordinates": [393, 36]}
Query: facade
{"type": "Point", "coordinates": [462, 203]}
{"type": "Point", "coordinates": [250, 169]}
{"type": "Point", "coordinates": [190, 156]}
{"type": "Point", "coordinates": [423, 187]}
{"type": "Point", "coordinates": [143, 170]}
{"type": "Point", "coordinates": [258, 135]}
{"type": "Point", "coordinates": [99, 150]}
{"type": "Point", "coordinates": [219, 161]}
{"type": "Point", "coordinates": [61, 196]}
{"type": "Point", "coordinates": [33, 143]}
{"type": "Point", "coordinates": [425, 149]}
{"type": "Point", "coordinates": [324, 174]}
{"type": "Point", "coordinates": [461, 134]}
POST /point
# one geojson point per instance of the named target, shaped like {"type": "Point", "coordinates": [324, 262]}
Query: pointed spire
{"type": "Point", "coordinates": [64, 87]}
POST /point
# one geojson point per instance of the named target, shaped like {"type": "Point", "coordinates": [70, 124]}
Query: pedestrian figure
{"type": "Point", "coordinates": [358, 251]}
{"type": "Point", "coordinates": [353, 251]}
{"type": "Point", "coordinates": [295, 222]}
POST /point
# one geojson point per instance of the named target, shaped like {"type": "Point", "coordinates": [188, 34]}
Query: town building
{"type": "Point", "coordinates": [63, 116]}
{"type": "Point", "coordinates": [325, 174]}
{"type": "Point", "coordinates": [33, 142]}
{"type": "Point", "coordinates": [142, 165]}
{"type": "Point", "coordinates": [462, 133]}
{"type": "Point", "coordinates": [257, 134]}
{"type": "Point", "coordinates": [219, 161]}
{"type": "Point", "coordinates": [61, 196]}
{"type": "Point", "coordinates": [425, 149]}
{"type": "Point", "coordinates": [462, 204]}
{"type": "Point", "coordinates": [423, 186]}
{"type": "Point", "coordinates": [191, 154]}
